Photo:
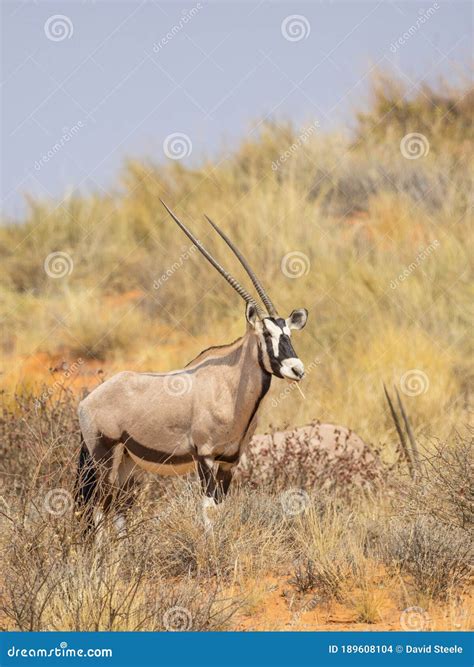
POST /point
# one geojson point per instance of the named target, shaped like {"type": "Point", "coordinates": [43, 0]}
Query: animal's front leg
{"type": "Point", "coordinates": [224, 478]}
{"type": "Point", "coordinates": [215, 483]}
{"type": "Point", "coordinates": [215, 479]}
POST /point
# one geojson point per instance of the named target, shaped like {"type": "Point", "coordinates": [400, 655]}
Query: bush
{"type": "Point", "coordinates": [437, 559]}
{"type": "Point", "coordinates": [441, 491]}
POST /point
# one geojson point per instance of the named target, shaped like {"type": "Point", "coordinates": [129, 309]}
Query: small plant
{"type": "Point", "coordinates": [305, 577]}
{"type": "Point", "coordinates": [436, 558]}
{"type": "Point", "coordinates": [328, 544]}
{"type": "Point", "coordinates": [367, 603]}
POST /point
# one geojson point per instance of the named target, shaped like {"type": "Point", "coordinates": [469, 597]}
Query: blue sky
{"type": "Point", "coordinates": [106, 76]}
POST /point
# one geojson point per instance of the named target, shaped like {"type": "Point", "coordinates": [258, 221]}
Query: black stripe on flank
{"type": "Point", "coordinates": [153, 455]}
{"type": "Point", "coordinates": [232, 458]}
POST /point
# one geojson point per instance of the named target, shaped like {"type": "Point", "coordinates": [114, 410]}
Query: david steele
{"type": "Point", "coordinates": [428, 648]}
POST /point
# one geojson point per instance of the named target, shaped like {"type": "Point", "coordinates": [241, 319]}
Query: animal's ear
{"type": "Point", "coordinates": [297, 319]}
{"type": "Point", "coordinates": [251, 315]}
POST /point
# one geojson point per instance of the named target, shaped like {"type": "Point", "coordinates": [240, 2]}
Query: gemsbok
{"type": "Point", "coordinates": [200, 417]}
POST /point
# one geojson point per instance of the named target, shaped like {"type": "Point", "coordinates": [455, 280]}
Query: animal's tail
{"type": "Point", "coordinates": [86, 484]}
{"type": "Point", "coordinates": [409, 448]}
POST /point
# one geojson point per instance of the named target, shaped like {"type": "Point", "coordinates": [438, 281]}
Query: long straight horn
{"type": "Point", "coordinates": [258, 285]}
{"type": "Point", "coordinates": [409, 430]}
{"type": "Point", "coordinates": [225, 274]}
{"type": "Point", "coordinates": [401, 435]}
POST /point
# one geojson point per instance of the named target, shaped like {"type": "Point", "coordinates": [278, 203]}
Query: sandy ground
{"type": "Point", "coordinates": [273, 605]}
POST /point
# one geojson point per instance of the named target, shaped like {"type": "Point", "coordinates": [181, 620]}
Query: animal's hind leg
{"type": "Point", "coordinates": [127, 479]}
{"type": "Point", "coordinates": [85, 486]}
{"type": "Point", "coordinates": [98, 458]}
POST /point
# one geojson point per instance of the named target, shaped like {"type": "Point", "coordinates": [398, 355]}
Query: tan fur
{"type": "Point", "coordinates": [201, 410]}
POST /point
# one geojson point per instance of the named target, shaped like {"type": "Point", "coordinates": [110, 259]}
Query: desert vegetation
{"type": "Point", "coordinates": [395, 553]}
{"type": "Point", "coordinates": [377, 246]}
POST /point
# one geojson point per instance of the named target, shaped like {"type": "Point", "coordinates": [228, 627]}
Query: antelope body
{"type": "Point", "coordinates": [199, 417]}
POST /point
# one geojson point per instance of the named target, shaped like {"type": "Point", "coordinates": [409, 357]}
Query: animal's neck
{"type": "Point", "coordinates": [244, 371]}
{"type": "Point", "coordinates": [251, 358]}
{"type": "Point", "coordinates": [252, 380]}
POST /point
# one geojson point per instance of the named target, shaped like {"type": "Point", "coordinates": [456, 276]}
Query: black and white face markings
{"type": "Point", "coordinates": [279, 352]}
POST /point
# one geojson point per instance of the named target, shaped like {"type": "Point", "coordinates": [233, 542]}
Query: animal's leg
{"type": "Point", "coordinates": [215, 479]}
{"type": "Point", "coordinates": [205, 467]}
{"type": "Point", "coordinates": [127, 482]}
{"type": "Point", "coordinates": [215, 483]}
{"type": "Point", "coordinates": [97, 460]}
{"type": "Point", "coordinates": [85, 486]}
{"type": "Point", "coordinates": [224, 478]}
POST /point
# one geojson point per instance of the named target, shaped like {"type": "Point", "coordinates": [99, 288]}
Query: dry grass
{"type": "Point", "coordinates": [359, 211]}
{"type": "Point", "coordinates": [385, 275]}
{"type": "Point", "coordinates": [368, 551]}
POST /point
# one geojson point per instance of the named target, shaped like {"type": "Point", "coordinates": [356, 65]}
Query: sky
{"type": "Point", "coordinates": [86, 84]}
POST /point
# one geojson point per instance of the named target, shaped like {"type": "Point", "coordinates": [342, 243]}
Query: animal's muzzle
{"type": "Point", "coordinates": [299, 372]}
{"type": "Point", "coordinates": [292, 369]}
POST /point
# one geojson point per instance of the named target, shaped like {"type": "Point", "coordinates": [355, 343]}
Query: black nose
{"type": "Point", "coordinates": [297, 371]}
